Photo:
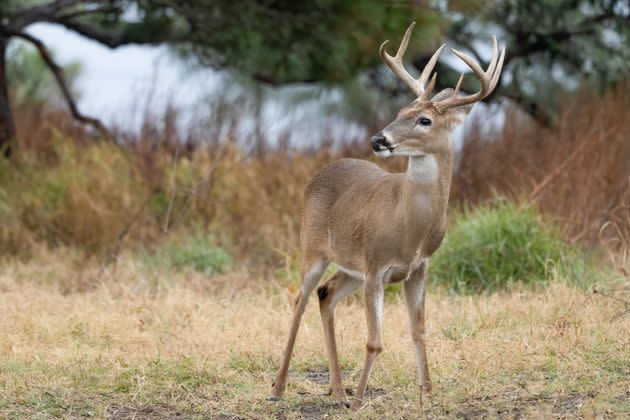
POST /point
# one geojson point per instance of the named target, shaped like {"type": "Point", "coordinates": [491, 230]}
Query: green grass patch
{"type": "Point", "coordinates": [496, 246]}
{"type": "Point", "coordinates": [199, 253]}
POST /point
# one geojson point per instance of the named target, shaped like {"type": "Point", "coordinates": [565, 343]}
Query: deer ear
{"type": "Point", "coordinates": [457, 115]}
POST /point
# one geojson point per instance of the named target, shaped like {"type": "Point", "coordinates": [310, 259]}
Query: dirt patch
{"type": "Point", "coordinates": [503, 406]}
{"type": "Point", "coordinates": [569, 405]}
{"type": "Point", "coordinates": [319, 377]}
{"type": "Point", "coordinates": [317, 410]}
{"type": "Point", "coordinates": [315, 406]}
{"type": "Point", "coordinates": [323, 378]}
{"type": "Point", "coordinates": [156, 411]}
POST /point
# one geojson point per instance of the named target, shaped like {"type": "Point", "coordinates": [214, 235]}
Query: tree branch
{"type": "Point", "coordinates": [464, 41]}
{"type": "Point", "coordinates": [39, 13]}
{"type": "Point", "coordinates": [125, 33]}
{"type": "Point", "coordinates": [58, 74]}
{"type": "Point", "coordinates": [542, 41]}
{"type": "Point", "coordinates": [529, 106]}
{"type": "Point", "coordinates": [81, 13]}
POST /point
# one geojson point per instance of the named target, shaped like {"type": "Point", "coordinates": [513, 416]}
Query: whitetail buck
{"type": "Point", "coordinates": [380, 227]}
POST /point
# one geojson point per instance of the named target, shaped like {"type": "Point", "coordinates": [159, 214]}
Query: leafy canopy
{"type": "Point", "coordinates": [285, 41]}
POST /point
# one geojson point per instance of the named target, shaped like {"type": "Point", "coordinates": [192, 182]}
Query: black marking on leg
{"type": "Point", "coordinates": [322, 292]}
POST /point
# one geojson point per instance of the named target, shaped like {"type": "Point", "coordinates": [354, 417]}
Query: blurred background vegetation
{"type": "Point", "coordinates": [203, 196]}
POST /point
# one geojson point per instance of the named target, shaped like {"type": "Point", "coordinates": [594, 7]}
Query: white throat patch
{"type": "Point", "coordinates": [423, 169]}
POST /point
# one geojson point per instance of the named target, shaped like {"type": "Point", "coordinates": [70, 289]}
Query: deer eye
{"type": "Point", "coordinates": [424, 121]}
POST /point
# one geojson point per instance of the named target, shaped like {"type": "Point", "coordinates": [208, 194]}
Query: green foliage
{"type": "Point", "coordinates": [552, 45]}
{"type": "Point", "coordinates": [199, 253]}
{"type": "Point", "coordinates": [334, 41]}
{"type": "Point", "coordinates": [110, 22]}
{"type": "Point", "coordinates": [310, 41]}
{"type": "Point", "coordinates": [275, 41]}
{"type": "Point", "coordinates": [496, 246]}
{"type": "Point", "coordinates": [11, 6]}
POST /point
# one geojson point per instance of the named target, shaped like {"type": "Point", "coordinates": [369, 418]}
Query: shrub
{"type": "Point", "coordinates": [494, 246]}
{"type": "Point", "coordinates": [200, 253]}
{"type": "Point", "coordinates": [576, 171]}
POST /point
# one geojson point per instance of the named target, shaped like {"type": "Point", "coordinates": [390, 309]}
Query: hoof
{"type": "Point", "coordinates": [273, 399]}
{"type": "Point", "coordinates": [356, 405]}
{"type": "Point", "coordinates": [339, 397]}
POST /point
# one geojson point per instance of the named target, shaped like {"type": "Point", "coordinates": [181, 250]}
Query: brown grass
{"type": "Point", "coordinates": [66, 189]}
{"type": "Point", "coordinates": [145, 342]}
{"type": "Point", "coordinates": [576, 172]}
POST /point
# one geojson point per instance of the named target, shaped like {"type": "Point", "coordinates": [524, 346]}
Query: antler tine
{"type": "Point", "coordinates": [476, 68]}
{"type": "Point", "coordinates": [405, 42]}
{"type": "Point", "coordinates": [488, 78]}
{"type": "Point", "coordinates": [427, 92]}
{"type": "Point", "coordinates": [424, 76]}
{"type": "Point", "coordinates": [395, 63]}
{"type": "Point", "coordinates": [493, 60]}
{"type": "Point", "coordinates": [459, 84]}
{"type": "Point", "coordinates": [497, 72]}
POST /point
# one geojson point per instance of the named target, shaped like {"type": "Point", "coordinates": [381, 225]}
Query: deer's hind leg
{"type": "Point", "coordinates": [330, 293]}
{"type": "Point", "coordinates": [312, 272]}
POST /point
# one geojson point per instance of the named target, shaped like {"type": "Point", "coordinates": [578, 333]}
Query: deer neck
{"type": "Point", "coordinates": [425, 191]}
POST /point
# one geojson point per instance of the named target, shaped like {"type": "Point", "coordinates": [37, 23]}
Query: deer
{"type": "Point", "coordinates": [380, 227]}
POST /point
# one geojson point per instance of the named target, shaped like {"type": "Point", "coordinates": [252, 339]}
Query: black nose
{"type": "Point", "coordinates": [379, 142]}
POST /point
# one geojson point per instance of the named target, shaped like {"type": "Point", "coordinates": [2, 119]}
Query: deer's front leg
{"type": "Point", "coordinates": [374, 314]}
{"type": "Point", "coordinates": [414, 296]}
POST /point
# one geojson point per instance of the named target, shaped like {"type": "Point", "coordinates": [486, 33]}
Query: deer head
{"type": "Point", "coordinates": [423, 126]}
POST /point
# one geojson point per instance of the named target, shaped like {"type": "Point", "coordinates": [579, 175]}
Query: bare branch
{"type": "Point", "coordinates": [58, 74]}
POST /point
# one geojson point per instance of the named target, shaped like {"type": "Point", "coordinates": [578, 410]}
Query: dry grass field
{"type": "Point", "coordinates": [143, 343]}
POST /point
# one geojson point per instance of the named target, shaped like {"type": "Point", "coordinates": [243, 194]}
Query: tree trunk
{"type": "Point", "coordinates": [7, 126]}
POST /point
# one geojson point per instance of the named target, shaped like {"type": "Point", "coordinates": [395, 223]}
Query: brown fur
{"type": "Point", "coordinates": [381, 227]}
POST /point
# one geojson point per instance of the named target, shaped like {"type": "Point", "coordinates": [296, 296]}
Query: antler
{"type": "Point", "coordinates": [488, 79]}
{"type": "Point", "coordinates": [395, 63]}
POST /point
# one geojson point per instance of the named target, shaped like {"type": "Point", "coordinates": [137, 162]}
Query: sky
{"type": "Point", "coordinates": [118, 85]}
{"type": "Point", "coordinates": [118, 82]}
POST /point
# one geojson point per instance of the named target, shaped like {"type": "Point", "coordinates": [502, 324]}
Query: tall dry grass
{"type": "Point", "coordinates": [577, 171]}
{"type": "Point", "coordinates": [67, 188]}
